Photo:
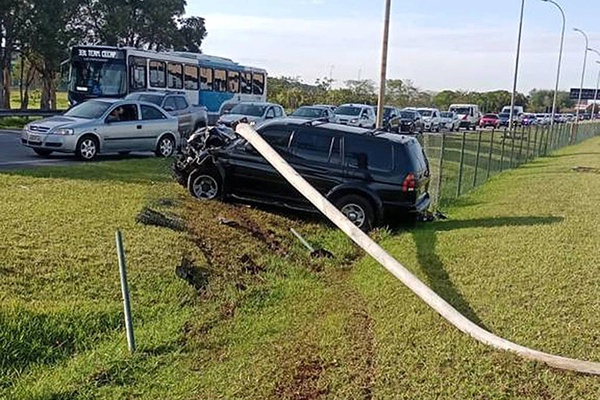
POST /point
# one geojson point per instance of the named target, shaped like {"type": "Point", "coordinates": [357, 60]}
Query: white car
{"type": "Point", "coordinates": [431, 118]}
{"type": "Point", "coordinates": [449, 121]}
{"type": "Point", "coordinates": [360, 115]}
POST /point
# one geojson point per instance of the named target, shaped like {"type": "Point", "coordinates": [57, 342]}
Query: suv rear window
{"type": "Point", "coordinates": [410, 157]}
{"type": "Point", "coordinates": [368, 153]}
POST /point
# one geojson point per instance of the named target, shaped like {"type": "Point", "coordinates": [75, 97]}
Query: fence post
{"type": "Point", "coordinates": [520, 156]}
{"type": "Point", "coordinates": [490, 156]}
{"type": "Point", "coordinates": [125, 291]}
{"type": "Point", "coordinates": [462, 163]}
{"type": "Point", "coordinates": [477, 159]}
{"type": "Point", "coordinates": [502, 151]}
{"type": "Point", "coordinates": [535, 137]}
{"type": "Point", "coordinates": [512, 149]}
{"type": "Point", "coordinates": [440, 172]}
{"type": "Point", "coordinates": [527, 156]}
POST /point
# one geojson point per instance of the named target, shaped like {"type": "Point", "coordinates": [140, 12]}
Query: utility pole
{"type": "Point", "coordinates": [384, 55]}
{"type": "Point", "coordinates": [514, 91]}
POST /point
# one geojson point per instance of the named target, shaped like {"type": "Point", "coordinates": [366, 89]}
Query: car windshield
{"type": "Point", "coordinates": [446, 115]}
{"type": "Point", "coordinates": [89, 110]}
{"type": "Point", "coordinates": [253, 110]}
{"type": "Point", "coordinates": [426, 113]}
{"type": "Point", "coordinates": [504, 115]}
{"type": "Point", "coordinates": [461, 110]}
{"type": "Point", "coordinates": [310, 112]}
{"type": "Point", "coordinates": [408, 114]}
{"type": "Point", "coordinates": [150, 98]}
{"type": "Point", "coordinates": [348, 110]}
{"type": "Point", "coordinates": [490, 116]}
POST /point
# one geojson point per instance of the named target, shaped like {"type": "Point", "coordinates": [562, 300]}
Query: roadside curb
{"type": "Point", "coordinates": [10, 131]}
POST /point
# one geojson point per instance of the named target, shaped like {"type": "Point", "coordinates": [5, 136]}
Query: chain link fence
{"type": "Point", "coordinates": [461, 161]}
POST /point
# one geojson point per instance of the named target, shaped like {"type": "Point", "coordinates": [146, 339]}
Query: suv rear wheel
{"type": "Point", "coordinates": [358, 210]}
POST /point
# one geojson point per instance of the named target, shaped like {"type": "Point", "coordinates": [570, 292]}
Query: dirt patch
{"type": "Point", "coordinates": [303, 384]}
{"type": "Point", "coordinates": [589, 170]}
{"type": "Point", "coordinates": [151, 217]}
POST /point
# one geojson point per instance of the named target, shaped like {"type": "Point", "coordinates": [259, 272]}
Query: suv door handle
{"type": "Point", "coordinates": [139, 127]}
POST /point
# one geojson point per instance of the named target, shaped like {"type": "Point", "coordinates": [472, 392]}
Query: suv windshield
{"type": "Point", "coordinates": [253, 110]}
{"type": "Point", "coordinates": [150, 98]}
{"type": "Point", "coordinates": [89, 110]}
{"type": "Point", "coordinates": [426, 113]}
{"type": "Point", "coordinates": [408, 114]}
{"type": "Point", "coordinates": [309, 112]}
{"type": "Point", "coordinates": [348, 110]}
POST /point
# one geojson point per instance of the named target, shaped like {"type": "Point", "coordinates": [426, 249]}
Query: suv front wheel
{"type": "Point", "coordinates": [204, 185]}
{"type": "Point", "coordinates": [358, 210]}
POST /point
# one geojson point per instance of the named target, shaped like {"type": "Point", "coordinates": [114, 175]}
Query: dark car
{"type": "Point", "coordinates": [407, 121]}
{"type": "Point", "coordinates": [323, 113]}
{"type": "Point", "coordinates": [373, 177]}
{"type": "Point", "coordinates": [503, 119]}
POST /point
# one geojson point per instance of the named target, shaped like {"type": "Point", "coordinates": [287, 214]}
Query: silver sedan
{"type": "Point", "coordinates": [105, 126]}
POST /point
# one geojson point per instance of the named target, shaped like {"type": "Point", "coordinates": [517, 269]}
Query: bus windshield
{"type": "Point", "coordinates": [99, 78]}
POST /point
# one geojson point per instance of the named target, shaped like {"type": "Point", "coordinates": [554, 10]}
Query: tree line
{"type": "Point", "coordinates": [36, 36]}
{"type": "Point", "coordinates": [292, 93]}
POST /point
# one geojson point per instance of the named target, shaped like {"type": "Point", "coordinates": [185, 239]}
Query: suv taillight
{"type": "Point", "coordinates": [409, 183]}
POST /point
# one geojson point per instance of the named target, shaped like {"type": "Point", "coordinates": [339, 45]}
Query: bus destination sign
{"type": "Point", "coordinates": [98, 53]}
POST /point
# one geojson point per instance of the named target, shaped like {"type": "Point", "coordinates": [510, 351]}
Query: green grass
{"type": "Point", "coordinates": [518, 256]}
{"type": "Point", "coordinates": [35, 96]}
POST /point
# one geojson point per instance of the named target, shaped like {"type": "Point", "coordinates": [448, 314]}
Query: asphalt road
{"type": "Point", "coordinates": [13, 155]}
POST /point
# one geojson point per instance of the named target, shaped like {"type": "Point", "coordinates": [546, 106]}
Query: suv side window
{"type": "Point", "coordinates": [180, 103]}
{"type": "Point", "coordinates": [313, 145]}
{"type": "Point", "coordinates": [278, 112]}
{"type": "Point", "coordinates": [170, 102]}
{"type": "Point", "coordinates": [270, 113]}
{"type": "Point", "coordinates": [367, 153]}
{"type": "Point", "coordinates": [278, 138]}
{"type": "Point", "coordinates": [149, 113]}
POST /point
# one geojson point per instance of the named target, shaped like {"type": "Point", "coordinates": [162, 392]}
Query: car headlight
{"type": "Point", "coordinates": [64, 131]}
{"type": "Point", "coordinates": [252, 123]}
{"type": "Point", "coordinates": [354, 121]}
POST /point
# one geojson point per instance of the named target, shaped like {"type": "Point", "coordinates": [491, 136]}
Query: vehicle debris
{"type": "Point", "coordinates": [314, 253]}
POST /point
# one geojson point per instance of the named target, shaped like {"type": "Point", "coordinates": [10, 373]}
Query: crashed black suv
{"type": "Point", "coordinates": [373, 177]}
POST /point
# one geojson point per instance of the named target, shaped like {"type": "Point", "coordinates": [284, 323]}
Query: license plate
{"type": "Point", "coordinates": [35, 138]}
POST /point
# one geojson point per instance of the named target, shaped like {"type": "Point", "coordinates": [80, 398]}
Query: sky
{"type": "Point", "coordinates": [438, 44]}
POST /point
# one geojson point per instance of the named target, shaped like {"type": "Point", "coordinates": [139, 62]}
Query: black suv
{"type": "Point", "coordinates": [373, 177]}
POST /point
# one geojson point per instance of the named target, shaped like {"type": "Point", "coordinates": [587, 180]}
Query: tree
{"type": "Point", "coordinates": [12, 13]}
{"type": "Point", "coordinates": [192, 32]}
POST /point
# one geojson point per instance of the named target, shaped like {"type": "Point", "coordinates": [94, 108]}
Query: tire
{"type": "Point", "coordinates": [358, 210]}
{"type": "Point", "coordinates": [42, 152]}
{"type": "Point", "coordinates": [165, 147]}
{"type": "Point", "coordinates": [87, 148]}
{"type": "Point", "coordinates": [205, 185]}
{"type": "Point", "coordinates": [438, 129]}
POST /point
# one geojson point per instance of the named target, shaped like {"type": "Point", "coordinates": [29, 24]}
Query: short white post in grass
{"type": "Point", "coordinates": [125, 291]}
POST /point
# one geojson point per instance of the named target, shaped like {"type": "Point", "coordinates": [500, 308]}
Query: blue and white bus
{"type": "Point", "coordinates": [216, 83]}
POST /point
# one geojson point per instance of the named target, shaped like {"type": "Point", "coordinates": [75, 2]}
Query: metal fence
{"type": "Point", "coordinates": [461, 161]}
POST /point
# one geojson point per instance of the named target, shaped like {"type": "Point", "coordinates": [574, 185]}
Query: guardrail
{"type": "Point", "coordinates": [30, 113]}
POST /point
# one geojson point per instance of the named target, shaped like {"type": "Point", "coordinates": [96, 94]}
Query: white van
{"type": "Point", "coordinates": [517, 110]}
{"type": "Point", "coordinates": [468, 114]}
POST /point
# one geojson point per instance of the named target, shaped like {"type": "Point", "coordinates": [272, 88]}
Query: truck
{"type": "Point", "coordinates": [190, 117]}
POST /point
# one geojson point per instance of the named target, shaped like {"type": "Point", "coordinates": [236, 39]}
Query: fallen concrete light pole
{"type": "Point", "coordinates": [399, 271]}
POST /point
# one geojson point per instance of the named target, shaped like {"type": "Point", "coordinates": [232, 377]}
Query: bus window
{"type": "Point", "coordinates": [157, 74]}
{"type": "Point", "coordinates": [246, 83]}
{"type": "Point", "coordinates": [191, 77]}
{"type": "Point", "coordinates": [220, 83]}
{"type": "Point", "coordinates": [206, 79]}
{"type": "Point", "coordinates": [175, 76]}
{"type": "Point", "coordinates": [233, 79]}
{"type": "Point", "coordinates": [137, 71]}
{"type": "Point", "coordinates": [258, 83]}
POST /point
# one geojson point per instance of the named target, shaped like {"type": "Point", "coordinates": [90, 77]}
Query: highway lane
{"type": "Point", "coordinates": [15, 156]}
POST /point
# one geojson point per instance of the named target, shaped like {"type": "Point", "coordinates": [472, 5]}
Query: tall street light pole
{"type": "Point", "coordinates": [587, 46]}
{"type": "Point", "coordinates": [514, 91]}
{"type": "Point", "coordinates": [560, 53]}
{"type": "Point", "coordinates": [384, 55]}
{"type": "Point", "coordinates": [597, 84]}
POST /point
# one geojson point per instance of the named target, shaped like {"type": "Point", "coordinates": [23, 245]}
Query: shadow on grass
{"type": "Point", "coordinates": [126, 169]}
{"type": "Point", "coordinates": [429, 261]}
